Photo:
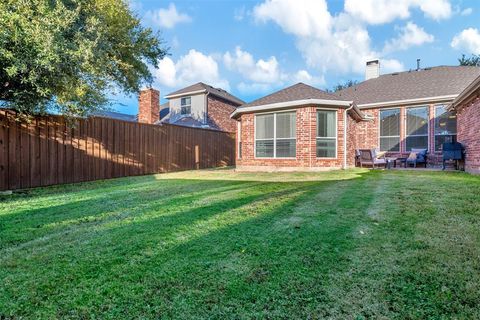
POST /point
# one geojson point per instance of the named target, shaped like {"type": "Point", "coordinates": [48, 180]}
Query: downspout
{"type": "Point", "coordinates": [345, 124]}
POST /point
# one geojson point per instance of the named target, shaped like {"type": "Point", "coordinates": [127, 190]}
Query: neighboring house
{"type": "Point", "coordinates": [116, 115]}
{"type": "Point", "coordinates": [301, 127]}
{"type": "Point", "coordinates": [467, 108]}
{"type": "Point", "coordinates": [201, 105]}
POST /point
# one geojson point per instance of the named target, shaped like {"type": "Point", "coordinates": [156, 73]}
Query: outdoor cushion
{"type": "Point", "coordinates": [421, 154]}
{"type": "Point", "coordinates": [412, 156]}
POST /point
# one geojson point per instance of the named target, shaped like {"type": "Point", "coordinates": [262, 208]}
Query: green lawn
{"type": "Point", "coordinates": [218, 244]}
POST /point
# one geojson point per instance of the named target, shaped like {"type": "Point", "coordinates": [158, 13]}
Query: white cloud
{"type": "Point", "coordinates": [466, 12]}
{"type": "Point", "coordinates": [410, 35]}
{"type": "Point", "coordinates": [305, 77]}
{"type": "Point", "coordinates": [167, 18]}
{"type": "Point", "coordinates": [263, 75]}
{"type": "Point", "coordinates": [299, 17]}
{"type": "Point", "coordinates": [391, 65]}
{"type": "Point", "coordinates": [338, 43]}
{"type": "Point", "coordinates": [266, 71]}
{"type": "Point", "coordinates": [468, 41]}
{"type": "Point", "coordinates": [239, 13]}
{"type": "Point", "coordinates": [384, 11]}
{"type": "Point", "coordinates": [189, 69]}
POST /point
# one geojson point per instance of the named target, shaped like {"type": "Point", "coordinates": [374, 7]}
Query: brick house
{"type": "Point", "coordinates": [304, 128]}
{"type": "Point", "coordinates": [467, 108]}
{"type": "Point", "coordinates": [201, 105]}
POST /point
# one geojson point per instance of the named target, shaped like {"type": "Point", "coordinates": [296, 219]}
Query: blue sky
{"type": "Point", "coordinates": [253, 48]}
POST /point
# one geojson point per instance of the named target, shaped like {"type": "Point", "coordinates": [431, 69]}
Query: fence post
{"type": "Point", "coordinates": [197, 157]}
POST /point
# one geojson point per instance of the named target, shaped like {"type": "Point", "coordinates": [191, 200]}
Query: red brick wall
{"type": "Point", "coordinates": [219, 112]}
{"type": "Point", "coordinates": [468, 133]}
{"type": "Point", "coordinates": [306, 144]}
{"type": "Point", "coordinates": [149, 106]}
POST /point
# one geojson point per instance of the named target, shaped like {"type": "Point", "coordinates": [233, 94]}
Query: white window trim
{"type": "Point", "coordinates": [434, 124]}
{"type": "Point", "coordinates": [186, 105]}
{"type": "Point", "coordinates": [274, 135]}
{"type": "Point", "coordinates": [380, 130]}
{"type": "Point", "coordinates": [336, 135]}
{"type": "Point", "coordinates": [418, 135]}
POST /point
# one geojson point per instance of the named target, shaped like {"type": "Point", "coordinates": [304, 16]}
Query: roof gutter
{"type": "Point", "coordinates": [407, 101]}
{"type": "Point", "coordinates": [171, 96]}
{"type": "Point", "coordinates": [290, 104]}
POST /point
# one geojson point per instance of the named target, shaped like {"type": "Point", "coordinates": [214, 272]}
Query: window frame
{"type": "Point", "coordinates": [435, 127]}
{"type": "Point", "coordinates": [399, 129]}
{"type": "Point", "coordinates": [336, 133]}
{"type": "Point", "coordinates": [417, 135]}
{"type": "Point", "coordinates": [274, 134]}
{"type": "Point", "coordinates": [239, 144]}
{"type": "Point", "coordinates": [185, 106]}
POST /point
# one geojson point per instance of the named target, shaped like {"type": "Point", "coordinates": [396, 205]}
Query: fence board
{"type": "Point", "coordinates": [48, 150]}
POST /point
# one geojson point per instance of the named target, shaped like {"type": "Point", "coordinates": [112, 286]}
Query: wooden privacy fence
{"type": "Point", "coordinates": [48, 151]}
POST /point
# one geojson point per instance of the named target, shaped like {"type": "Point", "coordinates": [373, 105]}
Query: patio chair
{"type": "Point", "coordinates": [417, 156]}
{"type": "Point", "coordinates": [370, 157]}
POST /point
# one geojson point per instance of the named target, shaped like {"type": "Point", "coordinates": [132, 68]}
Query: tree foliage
{"type": "Point", "coordinates": [343, 85]}
{"type": "Point", "coordinates": [66, 55]}
{"type": "Point", "coordinates": [473, 60]}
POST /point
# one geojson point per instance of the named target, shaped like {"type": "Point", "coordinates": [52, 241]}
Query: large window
{"type": "Point", "coordinates": [186, 105]}
{"type": "Point", "coordinates": [417, 128]}
{"type": "Point", "coordinates": [390, 130]}
{"type": "Point", "coordinates": [326, 134]}
{"type": "Point", "coordinates": [445, 126]}
{"type": "Point", "coordinates": [275, 135]}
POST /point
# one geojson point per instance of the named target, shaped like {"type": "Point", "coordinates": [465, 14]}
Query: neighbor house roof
{"type": "Point", "coordinates": [297, 95]}
{"type": "Point", "coordinates": [440, 83]}
{"type": "Point", "coordinates": [205, 88]}
{"type": "Point", "coordinates": [115, 115]}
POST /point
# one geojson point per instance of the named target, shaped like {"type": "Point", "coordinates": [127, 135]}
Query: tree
{"type": "Point", "coordinates": [343, 85]}
{"type": "Point", "coordinates": [474, 60]}
{"type": "Point", "coordinates": [66, 55]}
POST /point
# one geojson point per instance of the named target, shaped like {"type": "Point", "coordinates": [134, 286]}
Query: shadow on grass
{"type": "Point", "coordinates": [226, 255]}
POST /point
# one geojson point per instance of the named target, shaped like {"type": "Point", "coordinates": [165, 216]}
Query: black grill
{"type": "Point", "coordinates": [452, 151]}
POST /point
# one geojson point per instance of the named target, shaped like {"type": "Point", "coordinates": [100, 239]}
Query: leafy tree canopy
{"type": "Point", "coordinates": [343, 85]}
{"type": "Point", "coordinates": [473, 60]}
{"type": "Point", "coordinates": [66, 55]}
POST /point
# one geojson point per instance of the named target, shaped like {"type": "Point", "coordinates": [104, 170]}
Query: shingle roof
{"type": "Point", "coordinates": [299, 91]}
{"type": "Point", "coordinates": [424, 83]}
{"type": "Point", "coordinates": [115, 115]}
{"type": "Point", "coordinates": [215, 91]}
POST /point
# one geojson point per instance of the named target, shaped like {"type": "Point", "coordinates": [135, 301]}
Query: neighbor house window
{"type": "Point", "coordinates": [390, 130]}
{"type": "Point", "coordinates": [445, 126]}
{"type": "Point", "coordinates": [417, 128]}
{"type": "Point", "coordinates": [186, 105]}
{"type": "Point", "coordinates": [326, 134]}
{"type": "Point", "coordinates": [275, 135]}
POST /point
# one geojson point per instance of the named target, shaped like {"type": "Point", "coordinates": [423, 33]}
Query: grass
{"type": "Point", "coordinates": [218, 244]}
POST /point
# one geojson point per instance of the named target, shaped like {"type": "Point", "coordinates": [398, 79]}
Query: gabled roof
{"type": "Point", "coordinates": [294, 96]}
{"type": "Point", "coordinates": [442, 81]}
{"type": "Point", "coordinates": [471, 92]}
{"type": "Point", "coordinates": [200, 86]}
{"type": "Point", "coordinates": [299, 91]}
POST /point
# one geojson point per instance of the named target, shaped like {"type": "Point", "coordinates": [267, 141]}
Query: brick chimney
{"type": "Point", "coordinates": [149, 106]}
